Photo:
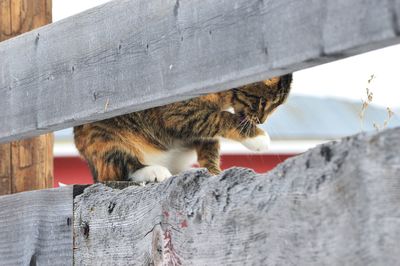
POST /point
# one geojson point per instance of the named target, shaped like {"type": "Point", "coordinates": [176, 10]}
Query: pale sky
{"type": "Point", "coordinates": [343, 79]}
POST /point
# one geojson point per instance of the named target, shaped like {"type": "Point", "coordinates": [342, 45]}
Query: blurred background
{"type": "Point", "coordinates": [326, 103]}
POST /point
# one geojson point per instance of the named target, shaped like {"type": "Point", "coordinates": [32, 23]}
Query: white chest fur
{"type": "Point", "coordinates": [175, 160]}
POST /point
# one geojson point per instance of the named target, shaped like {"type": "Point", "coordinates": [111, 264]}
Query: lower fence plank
{"type": "Point", "coordinates": [36, 228]}
{"type": "Point", "coordinates": [337, 204]}
{"type": "Point", "coordinates": [334, 205]}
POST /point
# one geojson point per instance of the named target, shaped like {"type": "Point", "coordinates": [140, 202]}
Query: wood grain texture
{"type": "Point", "coordinates": [337, 204]}
{"type": "Point", "coordinates": [5, 169]}
{"type": "Point", "coordinates": [5, 149]}
{"type": "Point", "coordinates": [27, 164]}
{"type": "Point", "coordinates": [129, 55]}
{"type": "Point", "coordinates": [5, 20]}
{"type": "Point", "coordinates": [36, 228]}
{"type": "Point", "coordinates": [32, 163]}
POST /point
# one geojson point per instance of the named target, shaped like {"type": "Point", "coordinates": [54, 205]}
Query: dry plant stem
{"type": "Point", "coordinates": [390, 114]}
{"type": "Point", "coordinates": [366, 102]}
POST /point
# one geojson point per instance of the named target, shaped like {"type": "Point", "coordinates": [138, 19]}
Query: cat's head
{"type": "Point", "coordinates": [258, 100]}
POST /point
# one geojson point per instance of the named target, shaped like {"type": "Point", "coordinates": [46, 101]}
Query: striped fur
{"type": "Point", "coordinates": [117, 148]}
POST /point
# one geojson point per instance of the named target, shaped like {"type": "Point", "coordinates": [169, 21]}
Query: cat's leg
{"type": "Point", "coordinates": [211, 124]}
{"type": "Point", "coordinates": [260, 142]}
{"type": "Point", "coordinates": [116, 158]}
{"type": "Point", "coordinates": [119, 166]}
{"type": "Point", "coordinates": [208, 155]}
{"type": "Point", "coordinates": [152, 173]}
{"type": "Point", "coordinates": [108, 157]}
{"type": "Point", "coordinates": [247, 133]}
{"type": "Point", "coordinates": [112, 165]}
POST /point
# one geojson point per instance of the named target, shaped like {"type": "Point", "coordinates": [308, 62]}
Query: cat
{"type": "Point", "coordinates": [152, 145]}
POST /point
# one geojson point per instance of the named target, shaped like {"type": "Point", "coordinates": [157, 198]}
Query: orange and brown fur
{"type": "Point", "coordinates": [151, 145]}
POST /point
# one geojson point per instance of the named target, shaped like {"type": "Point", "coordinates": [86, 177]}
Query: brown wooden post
{"type": "Point", "coordinates": [26, 164]}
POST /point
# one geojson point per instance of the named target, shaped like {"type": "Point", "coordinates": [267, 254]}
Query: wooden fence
{"type": "Point", "coordinates": [329, 206]}
{"type": "Point", "coordinates": [129, 55]}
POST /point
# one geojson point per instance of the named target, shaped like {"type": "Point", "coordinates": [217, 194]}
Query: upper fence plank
{"type": "Point", "coordinates": [130, 55]}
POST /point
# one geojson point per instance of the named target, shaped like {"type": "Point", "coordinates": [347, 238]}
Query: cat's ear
{"type": "Point", "coordinates": [286, 81]}
{"type": "Point", "coordinates": [271, 82]}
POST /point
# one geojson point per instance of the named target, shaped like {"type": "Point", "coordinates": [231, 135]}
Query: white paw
{"type": "Point", "coordinates": [153, 173]}
{"type": "Point", "coordinates": [259, 143]}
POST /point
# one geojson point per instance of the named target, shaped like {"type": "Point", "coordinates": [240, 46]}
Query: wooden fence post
{"type": "Point", "coordinates": [26, 164]}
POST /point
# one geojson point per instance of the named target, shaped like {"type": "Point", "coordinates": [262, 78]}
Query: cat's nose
{"type": "Point", "coordinates": [263, 118]}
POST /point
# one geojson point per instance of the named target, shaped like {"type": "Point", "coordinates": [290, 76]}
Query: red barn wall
{"type": "Point", "coordinates": [74, 170]}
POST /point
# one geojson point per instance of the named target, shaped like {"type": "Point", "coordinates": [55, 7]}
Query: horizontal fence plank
{"type": "Point", "coordinates": [328, 206]}
{"type": "Point", "coordinates": [36, 227]}
{"type": "Point", "coordinates": [130, 55]}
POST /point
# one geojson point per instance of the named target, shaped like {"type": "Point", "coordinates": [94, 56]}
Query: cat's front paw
{"type": "Point", "coordinates": [153, 173]}
{"type": "Point", "coordinates": [259, 143]}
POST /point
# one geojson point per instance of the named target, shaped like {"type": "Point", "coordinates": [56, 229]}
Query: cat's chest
{"type": "Point", "coordinates": [176, 159]}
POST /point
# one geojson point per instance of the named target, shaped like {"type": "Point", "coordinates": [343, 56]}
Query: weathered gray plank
{"type": "Point", "coordinates": [129, 55]}
{"type": "Point", "coordinates": [36, 228]}
{"type": "Point", "coordinates": [337, 204]}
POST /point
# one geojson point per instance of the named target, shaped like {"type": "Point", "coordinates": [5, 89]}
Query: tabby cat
{"type": "Point", "coordinates": [151, 145]}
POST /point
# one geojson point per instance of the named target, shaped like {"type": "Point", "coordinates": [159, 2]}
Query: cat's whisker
{"type": "Point", "coordinates": [239, 127]}
{"type": "Point", "coordinates": [275, 132]}
{"type": "Point", "coordinates": [243, 121]}
{"type": "Point", "coordinates": [248, 127]}
{"type": "Point", "coordinates": [243, 126]}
